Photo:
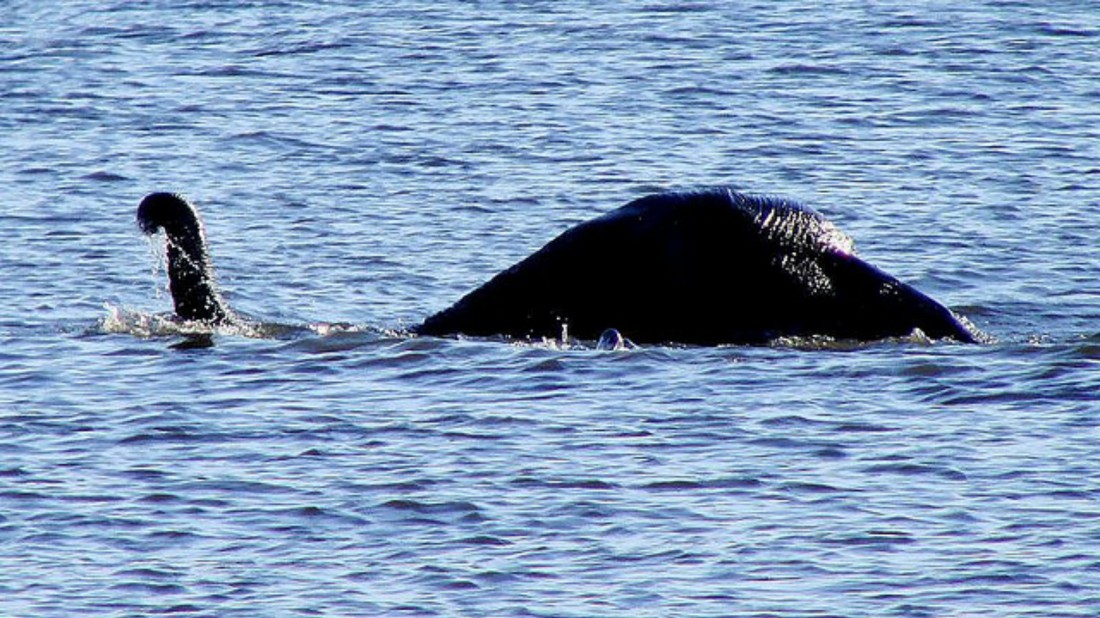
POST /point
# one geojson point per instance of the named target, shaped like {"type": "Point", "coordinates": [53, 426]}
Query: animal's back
{"type": "Point", "coordinates": [704, 267]}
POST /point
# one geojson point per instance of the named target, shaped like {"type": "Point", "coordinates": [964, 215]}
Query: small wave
{"type": "Point", "coordinates": [562, 485]}
{"type": "Point", "coordinates": [485, 540]}
{"type": "Point", "coordinates": [432, 508]}
{"type": "Point", "coordinates": [298, 49]}
{"type": "Point", "coordinates": [1065, 30]}
{"type": "Point", "coordinates": [146, 325]}
{"type": "Point", "coordinates": [826, 343]}
{"type": "Point", "coordinates": [104, 176]}
{"type": "Point", "coordinates": [120, 320]}
{"type": "Point", "coordinates": [150, 588]}
{"type": "Point", "coordinates": [721, 483]}
{"type": "Point", "coordinates": [807, 69]}
{"type": "Point", "coordinates": [917, 469]}
{"type": "Point", "coordinates": [887, 538]}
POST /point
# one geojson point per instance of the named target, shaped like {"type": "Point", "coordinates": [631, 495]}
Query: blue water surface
{"type": "Point", "coordinates": [361, 165]}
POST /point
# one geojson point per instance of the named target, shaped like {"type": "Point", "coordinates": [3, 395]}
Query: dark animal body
{"type": "Point", "coordinates": [706, 267]}
{"type": "Point", "coordinates": [190, 273]}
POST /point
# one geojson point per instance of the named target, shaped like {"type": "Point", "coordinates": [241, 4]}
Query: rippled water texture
{"type": "Point", "coordinates": [362, 165]}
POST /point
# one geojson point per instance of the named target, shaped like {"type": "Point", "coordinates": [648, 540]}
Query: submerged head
{"type": "Point", "coordinates": [190, 276]}
{"type": "Point", "coordinates": [167, 211]}
{"type": "Point", "coordinates": [612, 339]}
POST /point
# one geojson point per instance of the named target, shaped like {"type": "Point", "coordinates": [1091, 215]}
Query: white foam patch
{"type": "Point", "coordinates": [120, 320]}
{"type": "Point", "coordinates": [147, 325]}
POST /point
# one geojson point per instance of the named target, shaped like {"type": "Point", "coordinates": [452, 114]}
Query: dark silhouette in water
{"type": "Point", "coordinates": [706, 267]}
{"type": "Point", "coordinates": [190, 273]}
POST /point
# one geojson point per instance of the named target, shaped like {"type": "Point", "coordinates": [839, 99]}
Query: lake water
{"type": "Point", "coordinates": [369, 162]}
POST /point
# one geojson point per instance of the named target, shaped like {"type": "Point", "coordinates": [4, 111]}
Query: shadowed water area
{"type": "Point", "coordinates": [361, 166]}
